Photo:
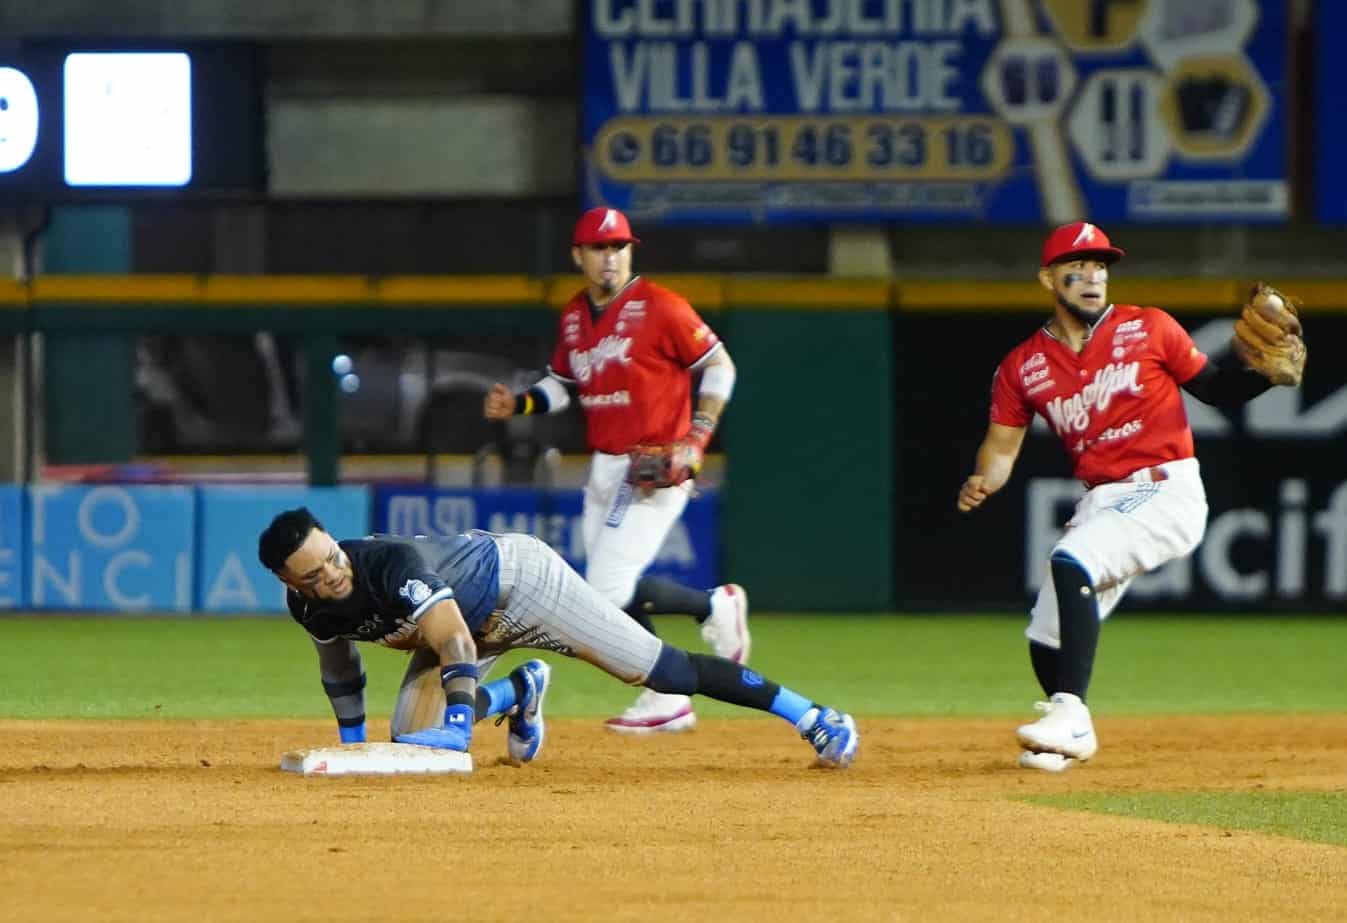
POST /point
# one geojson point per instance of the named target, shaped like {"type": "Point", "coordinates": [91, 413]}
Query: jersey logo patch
{"type": "Point", "coordinates": [415, 592]}
{"type": "Point", "coordinates": [1072, 414]}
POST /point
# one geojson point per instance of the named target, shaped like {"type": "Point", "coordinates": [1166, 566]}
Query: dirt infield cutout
{"type": "Point", "coordinates": [118, 820]}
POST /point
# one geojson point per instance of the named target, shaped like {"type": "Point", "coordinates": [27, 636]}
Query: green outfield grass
{"type": "Point", "coordinates": [1317, 816]}
{"type": "Point", "coordinates": [948, 664]}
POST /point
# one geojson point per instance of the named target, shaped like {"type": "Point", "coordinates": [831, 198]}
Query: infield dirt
{"type": "Point", "coordinates": [170, 820]}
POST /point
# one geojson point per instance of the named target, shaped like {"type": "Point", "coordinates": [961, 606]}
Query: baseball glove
{"type": "Point", "coordinates": [1268, 336]}
{"type": "Point", "coordinates": [655, 466]}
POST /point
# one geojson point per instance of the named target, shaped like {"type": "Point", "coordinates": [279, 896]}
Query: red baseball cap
{"type": "Point", "coordinates": [1079, 240]}
{"type": "Point", "coordinates": [603, 226]}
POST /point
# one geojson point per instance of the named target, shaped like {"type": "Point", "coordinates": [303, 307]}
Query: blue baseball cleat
{"type": "Point", "coordinates": [526, 722]}
{"type": "Point", "coordinates": [833, 735]}
{"type": "Point", "coordinates": [439, 738]}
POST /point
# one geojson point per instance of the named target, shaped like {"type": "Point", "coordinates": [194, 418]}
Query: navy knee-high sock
{"type": "Point", "coordinates": [660, 596]}
{"type": "Point", "coordinates": [1047, 662]}
{"type": "Point", "coordinates": [682, 673]}
{"type": "Point", "coordinates": [1078, 611]}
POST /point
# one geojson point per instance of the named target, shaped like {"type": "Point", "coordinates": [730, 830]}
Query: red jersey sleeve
{"type": "Point", "coordinates": [1178, 353]}
{"type": "Point", "coordinates": [686, 338]}
{"type": "Point", "coordinates": [560, 366]}
{"type": "Point", "coordinates": [1009, 405]}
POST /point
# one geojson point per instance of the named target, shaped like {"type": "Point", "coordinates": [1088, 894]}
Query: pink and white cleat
{"type": "Point", "coordinates": [654, 713]}
{"type": "Point", "coordinates": [726, 628]}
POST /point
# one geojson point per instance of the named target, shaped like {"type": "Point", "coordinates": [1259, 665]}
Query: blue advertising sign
{"type": "Point", "coordinates": [690, 555]}
{"type": "Point", "coordinates": [229, 576]}
{"type": "Point", "coordinates": [13, 548]}
{"type": "Point", "coordinates": [994, 110]}
{"type": "Point", "coordinates": [111, 548]}
{"type": "Point", "coordinates": [1330, 132]}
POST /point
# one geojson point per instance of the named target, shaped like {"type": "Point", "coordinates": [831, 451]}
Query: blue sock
{"type": "Point", "coordinates": [500, 696]}
{"type": "Point", "coordinates": [790, 705]}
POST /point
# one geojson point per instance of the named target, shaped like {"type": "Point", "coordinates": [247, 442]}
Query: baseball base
{"type": "Point", "coordinates": [374, 759]}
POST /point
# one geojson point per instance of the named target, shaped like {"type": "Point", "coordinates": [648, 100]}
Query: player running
{"type": "Point", "coordinates": [457, 602]}
{"type": "Point", "coordinates": [1106, 379]}
{"type": "Point", "coordinates": [629, 348]}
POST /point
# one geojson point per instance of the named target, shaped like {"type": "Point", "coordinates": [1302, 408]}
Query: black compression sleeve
{"type": "Point", "coordinates": [1226, 382]}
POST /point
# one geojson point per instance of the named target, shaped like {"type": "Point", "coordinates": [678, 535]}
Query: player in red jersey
{"type": "Point", "coordinates": [1106, 378]}
{"type": "Point", "coordinates": [629, 348]}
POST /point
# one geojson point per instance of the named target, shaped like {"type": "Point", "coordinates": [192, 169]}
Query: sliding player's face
{"type": "Point", "coordinates": [319, 569]}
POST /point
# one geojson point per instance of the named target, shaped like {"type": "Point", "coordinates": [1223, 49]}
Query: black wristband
{"type": "Point", "coordinates": [344, 687]}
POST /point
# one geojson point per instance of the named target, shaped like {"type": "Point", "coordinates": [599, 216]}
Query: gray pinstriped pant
{"type": "Point", "coordinates": [543, 604]}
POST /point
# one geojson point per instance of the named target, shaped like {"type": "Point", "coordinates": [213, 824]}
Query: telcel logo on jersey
{"type": "Point", "coordinates": [586, 363]}
{"type": "Point", "coordinates": [613, 399]}
{"type": "Point", "coordinates": [1072, 414]}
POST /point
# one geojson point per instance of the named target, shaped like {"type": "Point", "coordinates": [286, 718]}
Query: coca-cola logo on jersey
{"type": "Point", "coordinates": [1072, 414]}
{"type": "Point", "coordinates": [1037, 360]}
{"type": "Point", "coordinates": [587, 363]}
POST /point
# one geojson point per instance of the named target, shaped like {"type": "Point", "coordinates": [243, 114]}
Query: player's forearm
{"type": "Point", "coordinates": [710, 409]}
{"type": "Point", "coordinates": [443, 630]}
{"type": "Point", "coordinates": [343, 677]}
{"type": "Point", "coordinates": [994, 465]}
{"type": "Point", "coordinates": [713, 393]}
{"type": "Point", "coordinates": [1227, 383]}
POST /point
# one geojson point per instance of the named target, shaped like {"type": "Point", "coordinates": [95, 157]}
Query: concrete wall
{"type": "Point", "coordinates": [470, 146]}
{"type": "Point", "coordinates": [276, 19]}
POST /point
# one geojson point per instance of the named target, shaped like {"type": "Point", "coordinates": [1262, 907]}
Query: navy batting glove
{"type": "Point", "coordinates": [352, 735]}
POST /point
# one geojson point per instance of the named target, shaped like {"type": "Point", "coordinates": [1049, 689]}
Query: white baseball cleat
{"type": "Point", "coordinates": [726, 628]}
{"type": "Point", "coordinates": [1065, 728]}
{"type": "Point", "coordinates": [653, 713]}
{"type": "Point", "coordinates": [1046, 762]}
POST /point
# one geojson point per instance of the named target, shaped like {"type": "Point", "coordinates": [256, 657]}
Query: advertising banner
{"type": "Point", "coordinates": [13, 547]}
{"type": "Point", "coordinates": [1330, 98]}
{"type": "Point", "coordinates": [690, 555]}
{"type": "Point", "coordinates": [111, 548]}
{"type": "Point", "coordinates": [1015, 111]}
{"type": "Point", "coordinates": [1275, 473]}
{"type": "Point", "coordinates": [230, 578]}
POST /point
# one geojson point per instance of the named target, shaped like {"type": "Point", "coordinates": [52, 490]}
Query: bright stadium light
{"type": "Point", "coordinates": [128, 119]}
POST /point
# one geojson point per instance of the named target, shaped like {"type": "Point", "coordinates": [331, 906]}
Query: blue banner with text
{"type": "Point", "coordinates": [111, 548]}
{"type": "Point", "coordinates": [690, 554]}
{"type": "Point", "coordinates": [995, 110]}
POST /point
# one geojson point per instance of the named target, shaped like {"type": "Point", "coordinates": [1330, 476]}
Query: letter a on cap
{"type": "Point", "coordinates": [1085, 237]}
{"type": "Point", "coordinates": [609, 221]}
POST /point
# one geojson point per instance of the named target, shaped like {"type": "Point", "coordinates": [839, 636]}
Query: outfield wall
{"type": "Point", "coordinates": [858, 410]}
{"type": "Point", "coordinates": [180, 548]}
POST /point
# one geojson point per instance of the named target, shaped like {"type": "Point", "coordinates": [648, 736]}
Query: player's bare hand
{"type": "Point", "coordinates": [499, 403]}
{"type": "Point", "coordinates": [973, 492]}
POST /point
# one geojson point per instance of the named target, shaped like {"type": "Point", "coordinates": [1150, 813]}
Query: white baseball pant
{"type": "Point", "coordinates": [1122, 529]}
{"type": "Point", "coordinates": [623, 530]}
